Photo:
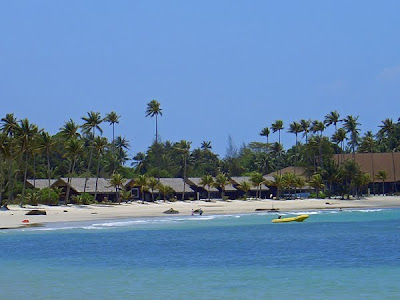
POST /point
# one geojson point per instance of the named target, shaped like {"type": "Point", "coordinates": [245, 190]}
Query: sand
{"type": "Point", "coordinates": [14, 217]}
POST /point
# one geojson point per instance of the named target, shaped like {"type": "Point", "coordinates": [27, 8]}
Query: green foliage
{"type": "Point", "coordinates": [49, 196]}
{"type": "Point", "coordinates": [84, 198]}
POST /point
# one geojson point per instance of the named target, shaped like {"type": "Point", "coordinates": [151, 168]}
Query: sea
{"type": "Point", "coordinates": [334, 254]}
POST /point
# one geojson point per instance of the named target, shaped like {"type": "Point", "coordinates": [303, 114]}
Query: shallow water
{"type": "Point", "coordinates": [351, 254]}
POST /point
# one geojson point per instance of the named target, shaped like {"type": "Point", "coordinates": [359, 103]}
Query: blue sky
{"type": "Point", "coordinates": [218, 68]}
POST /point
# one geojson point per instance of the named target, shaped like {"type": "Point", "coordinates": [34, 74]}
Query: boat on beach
{"type": "Point", "coordinates": [300, 218]}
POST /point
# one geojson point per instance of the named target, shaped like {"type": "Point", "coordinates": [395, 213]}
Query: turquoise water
{"type": "Point", "coordinates": [333, 254]}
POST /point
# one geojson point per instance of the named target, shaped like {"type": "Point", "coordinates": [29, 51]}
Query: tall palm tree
{"type": "Point", "coordinates": [9, 125]}
{"type": "Point", "coordinates": [265, 132]}
{"type": "Point", "coordinates": [206, 145]}
{"type": "Point", "coordinates": [121, 144]}
{"type": "Point", "coordinates": [332, 119]}
{"type": "Point", "coordinates": [382, 175]}
{"type": "Point", "coordinates": [221, 181]}
{"type": "Point", "coordinates": [277, 126]}
{"type": "Point", "coordinates": [305, 128]}
{"type": "Point", "coordinates": [113, 119]}
{"type": "Point", "coordinates": [207, 180]}
{"type": "Point", "coordinates": [154, 109]}
{"type": "Point", "coordinates": [183, 147]}
{"type": "Point", "coordinates": [388, 130]}
{"type": "Point", "coordinates": [100, 144]}
{"type": "Point", "coordinates": [295, 128]}
{"type": "Point", "coordinates": [318, 126]}
{"type": "Point", "coordinates": [91, 124]}
{"type": "Point", "coordinates": [26, 133]}
{"type": "Point", "coordinates": [350, 124]}
{"type": "Point", "coordinates": [339, 137]}
{"type": "Point", "coordinates": [73, 150]}
{"type": "Point", "coordinates": [368, 145]}
{"type": "Point", "coordinates": [47, 143]}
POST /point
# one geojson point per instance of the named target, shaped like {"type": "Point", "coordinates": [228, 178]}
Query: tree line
{"type": "Point", "coordinates": [80, 150]}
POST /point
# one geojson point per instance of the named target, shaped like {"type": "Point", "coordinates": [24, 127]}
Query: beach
{"type": "Point", "coordinates": [16, 216]}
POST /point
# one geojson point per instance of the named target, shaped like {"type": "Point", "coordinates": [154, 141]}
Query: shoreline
{"type": "Point", "coordinates": [12, 218]}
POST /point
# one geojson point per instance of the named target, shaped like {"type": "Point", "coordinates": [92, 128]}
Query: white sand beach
{"type": "Point", "coordinates": [15, 217]}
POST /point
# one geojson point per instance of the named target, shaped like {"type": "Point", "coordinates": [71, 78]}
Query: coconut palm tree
{"type": "Point", "coordinates": [257, 180]}
{"type": "Point", "coordinates": [245, 187]}
{"type": "Point", "coordinates": [121, 145]}
{"type": "Point", "coordinates": [9, 125]}
{"type": "Point", "coordinates": [142, 182]}
{"type": "Point", "coordinates": [183, 147]}
{"type": "Point", "coordinates": [278, 182]}
{"type": "Point", "coordinates": [318, 126]}
{"type": "Point", "coordinates": [388, 130]}
{"type": "Point", "coordinates": [73, 150]}
{"type": "Point", "coordinates": [382, 175]}
{"type": "Point", "coordinates": [154, 109]}
{"type": "Point", "coordinates": [332, 119]}
{"type": "Point", "coordinates": [165, 190]}
{"type": "Point", "coordinates": [317, 183]}
{"type": "Point", "coordinates": [25, 134]}
{"type": "Point", "coordinates": [47, 143]}
{"type": "Point", "coordinates": [206, 145]}
{"type": "Point", "coordinates": [277, 126]}
{"type": "Point", "coordinates": [221, 181]}
{"type": "Point", "coordinates": [368, 145]}
{"type": "Point", "coordinates": [70, 130]}
{"type": "Point", "coordinates": [113, 119]}
{"type": "Point", "coordinates": [339, 137]}
{"type": "Point", "coordinates": [265, 132]}
{"type": "Point", "coordinates": [207, 180]}
{"type": "Point", "coordinates": [91, 124]}
{"type": "Point", "coordinates": [117, 181]}
{"type": "Point", "coordinates": [100, 145]}
{"type": "Point", "coordinates": [305, 128]}
{"type": "Point", "coordinates": [350, 124]}
{"type": "Point", "coordinates": [152, 183]}
{"type": "Point", "coordinates": [295, 128]}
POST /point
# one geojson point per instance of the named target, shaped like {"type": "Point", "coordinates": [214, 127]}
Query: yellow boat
{"type": "Point", "coordinates": [300, 218]}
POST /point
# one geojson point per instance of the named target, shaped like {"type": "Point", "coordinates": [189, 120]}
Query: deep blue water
{"type": "Point", "coordinates": [347, 254]}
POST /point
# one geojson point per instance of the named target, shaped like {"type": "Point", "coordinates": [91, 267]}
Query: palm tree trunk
{"type": "Point", "coordinates": [373, 173]}
{"type": "Point", "coordinates": [69, 182]}
{"type": "Point", "coordinates": [97, 178]}
{"type": "Point", "coordinates": [184, 177]}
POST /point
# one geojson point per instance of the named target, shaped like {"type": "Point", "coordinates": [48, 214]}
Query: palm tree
{"type": "Point", "coordinates": [245, 187]}
{"type": "Point", "coordinates": [184, 148]}
{"type": "Point", "coordinates": [388, 130]}
{"type": "Point", "coordinates": [70, 130]}
{"type": "Point", "coordinates": [332, 119]}
{"type": "Point", "coordinates": [339, 138]}
{"type": "Point", "coordinates": [382, 175]}
{"type": "Point", "coordinates": [47, 142]}
{"type": "Point", "coordinates": [9, 126]}
{"type": "Point", "coordinates": [117, 181]}
{"type": "Point", "coordinates": [154, 109]}
{"type": "Point", "coordinates": [206, 145]}
{"type": "Point", "coordinates": [221, 181]}
{"type": "Point", "coordinates": [257, 180]}
{"type": "Point", "coordinates": [142, 182]}
{"type": "Point", "coordinates": [100, 145]}
{"type": "Point", "coordinates": [317, 183]}
{"type": "Point", "coordinates": [296, 129]}
{"type": "Point", "coordinates": [277, 126]}
{"type": "Point", "coordinates": [121, 144]}
{"type": "Point", "coordinates": [152, 183]}
{"type": "Point", "coordinates": [368, 145]}
{"type": "Point", "coordinates": [92, 122]}
{"type": "Point", "coordinates": [26, 133]}
{"type": "Point", "coordinates": [73, 149]}
{"type": "Point", "coordinates": [113, 119]}
{"type": "Point", "coordinates": [318, 126]}
{"type": "Point", "coordinates": [278, 183]}
{"type": "Point", "coordinates": [350, 124]}
{"type": "Point", "coordinates": [265, 132]}
{"type": "Point", "coordinates": [165, 190]}
{"type": "Point", "coordinates": [207, 180]}
{"type": "Point", "coordinates": [305, 128]}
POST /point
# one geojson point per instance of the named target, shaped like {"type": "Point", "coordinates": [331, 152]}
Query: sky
{"type": "Point", "coordinates": [218, 68]}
